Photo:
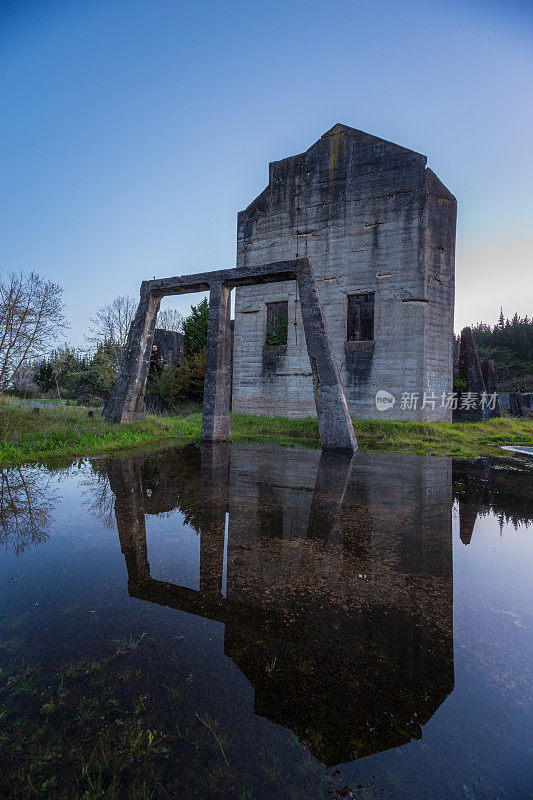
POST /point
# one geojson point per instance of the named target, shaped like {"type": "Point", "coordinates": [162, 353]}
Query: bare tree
{"type": "Point", "coordinates": [31, 317]}
{"type": "Point", "coordinates": [111, 323]}
{"type": "Point", "coordinates": [24, 380]}
{"type": "Point", "coordinates": [170, 320]}
{"type": "Point", "coordinates": [99, 497]}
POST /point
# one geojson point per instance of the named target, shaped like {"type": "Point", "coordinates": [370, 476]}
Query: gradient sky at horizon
{"type": "Point", "coordinates": [133, 131]}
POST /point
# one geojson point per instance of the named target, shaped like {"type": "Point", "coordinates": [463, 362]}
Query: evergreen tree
{"type": "Point", "coordinates": [509, 343]}
{"type": "Point", "coordinates": [195, 330]}
{"type": "Point", "coordinates": [99, 375]}
{"type": "Point", "coordinates": [45, 376]}
{"type": "Point", "coordinates": [186, 382]}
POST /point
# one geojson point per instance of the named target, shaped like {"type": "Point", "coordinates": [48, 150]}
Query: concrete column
{"type": "Point", "coordinates": [334, 421]}
{"type": "Point", "coordinates": [126, 403]}
{"type": "Point", "coordinates": [216, 423]}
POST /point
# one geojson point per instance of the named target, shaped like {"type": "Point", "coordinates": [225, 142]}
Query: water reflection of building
{"type": "Point", "coordinates": [338, 601]}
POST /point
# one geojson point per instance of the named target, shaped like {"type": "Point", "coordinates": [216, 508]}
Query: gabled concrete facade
{"type": "Point", "coordinates": [377, 223]}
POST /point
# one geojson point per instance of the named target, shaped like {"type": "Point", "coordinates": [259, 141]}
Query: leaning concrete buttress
{"type": "Point", "coordinates": [126, 401]}
{"type": "Point", "coordinates": [334, 421]}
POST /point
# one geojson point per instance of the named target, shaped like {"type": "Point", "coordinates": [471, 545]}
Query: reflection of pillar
{"type": "Point", "coordinates": [126, 483]}
{"type": "Point", "coordinates": [467, 521]}
{"type": "Point", "coordinates": [214, 482]}
{"type": "Point", "coordinates": [357, 528]}
{"type": "Point", "coordinates": [470, 495]}
{"type": "Point", "coordinates": [333, 476]}
{"type": "Point", "coordinates": [270, 518]}
{"type": "Point", "coordinates": [126, 403]}
{"type": "Point", "coordinates": [216, 412]}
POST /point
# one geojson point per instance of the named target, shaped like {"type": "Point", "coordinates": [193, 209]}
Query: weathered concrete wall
{"type": "Point", "coordinates": [372, 219]}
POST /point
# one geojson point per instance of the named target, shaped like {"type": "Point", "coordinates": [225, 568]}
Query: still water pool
{"type": "Point", "coordinates": [262, 622]}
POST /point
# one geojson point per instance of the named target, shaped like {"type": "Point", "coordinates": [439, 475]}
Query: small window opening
{"type": "Point", "coordinates": [277, 323]}
{"type": "Point", "coordinates": [360, 323]}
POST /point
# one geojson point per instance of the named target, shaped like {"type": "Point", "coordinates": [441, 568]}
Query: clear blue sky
{"type": "Point", "coordinates": [134, 130]}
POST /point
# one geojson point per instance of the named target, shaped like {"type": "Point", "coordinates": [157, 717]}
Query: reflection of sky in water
{"type": "Point", "coordinates": [286, 638]}
{"type": "Point", "coordinates": [174, 550]}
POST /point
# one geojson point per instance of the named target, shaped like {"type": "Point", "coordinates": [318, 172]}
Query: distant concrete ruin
{"type": "Point", "coordinates": [480, 381]}
{"type": "Point", "coordinates": [126, 403]}
{"type": "Point", "coordinates": [471, 374]}
{"type": "Point", "coordinates": [167, 348]}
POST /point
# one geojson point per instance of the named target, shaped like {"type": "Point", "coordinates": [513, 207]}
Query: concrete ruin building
{"type": "Point", "coordinates": [378, 227]}
{"type": "Point", "coordinates": [167, 348]}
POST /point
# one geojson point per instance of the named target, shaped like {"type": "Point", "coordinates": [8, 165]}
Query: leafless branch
{"type": "Point", "coordinates": [31, 317]}
{"type": "Point", "coordinates": [111, 323]}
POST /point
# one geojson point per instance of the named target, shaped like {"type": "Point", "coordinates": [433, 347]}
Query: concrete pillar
{"type": "Point", "coordinates": [216, 423]}
{"type": "Point", "coordinates": [126, 403]}
{"type": "Point", "coordinates": [334, 421]}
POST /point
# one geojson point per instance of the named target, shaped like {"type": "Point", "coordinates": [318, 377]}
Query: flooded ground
{"type": "Point", "coordinates": [264, 622]}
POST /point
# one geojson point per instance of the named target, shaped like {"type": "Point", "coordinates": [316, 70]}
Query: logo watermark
{"type": "Point", "coordinates": [384, 400]}
{"type": "Point", "coordinates": [412, 401]}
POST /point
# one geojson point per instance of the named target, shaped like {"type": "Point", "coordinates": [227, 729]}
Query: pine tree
{"type": "Point", "coordinates": [195, 330]}
{"type": "Point", "coordinates": [509, 343]}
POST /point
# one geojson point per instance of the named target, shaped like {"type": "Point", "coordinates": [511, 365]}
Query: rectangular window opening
{"type": "Point", "coordinates": [277, 323]}
{"type": "Point", "coordinates": [360, 322]}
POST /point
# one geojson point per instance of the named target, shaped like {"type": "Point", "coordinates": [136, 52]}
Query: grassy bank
{"type": "Point", "coordinates": [70, 432]}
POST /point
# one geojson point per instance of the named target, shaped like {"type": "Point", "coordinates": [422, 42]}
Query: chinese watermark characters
{"type": "Point", "coordinates": [413, 401]}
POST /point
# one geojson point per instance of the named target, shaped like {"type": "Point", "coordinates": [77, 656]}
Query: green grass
{"type": "Point", "coordinates": [465, 440]}
{"type": "Point", "coordinates": [46, 401]}
{"type": "Point", "coordinates": [68, 431]}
